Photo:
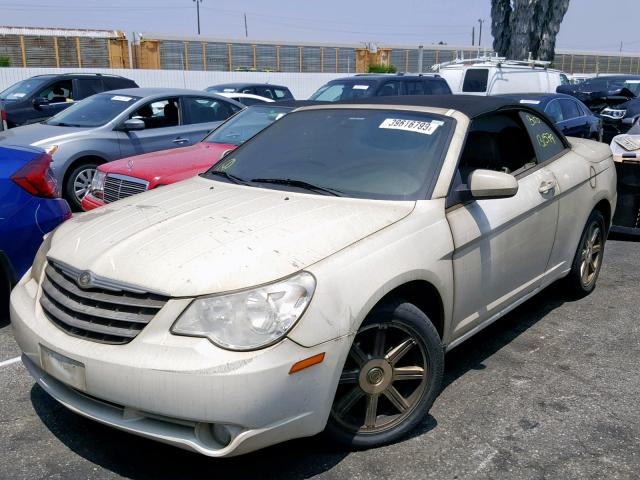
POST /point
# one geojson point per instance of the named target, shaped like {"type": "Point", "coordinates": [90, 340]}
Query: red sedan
{"type": "Point", "coordinates": [128, 176]}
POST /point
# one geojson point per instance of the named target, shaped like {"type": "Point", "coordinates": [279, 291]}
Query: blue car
{"type": "Point", "coordinates": [571, 116]}
{"type": "Point", "coordinates": [29, 208]}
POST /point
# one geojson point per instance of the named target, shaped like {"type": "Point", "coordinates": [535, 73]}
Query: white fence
{"type": "Point", "coordinates": [302, 85]}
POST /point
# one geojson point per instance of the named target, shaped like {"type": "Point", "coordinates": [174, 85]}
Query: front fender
{"type": "Point", "coordinates": [351, 282]}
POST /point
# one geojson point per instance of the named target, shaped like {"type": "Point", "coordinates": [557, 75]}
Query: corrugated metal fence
{"type": "Point", "coordinates": [61, 52]}
{"type": "Point", "coordinates": [105, 49]}
{"type": "Point", "coordinates": [176, 54]}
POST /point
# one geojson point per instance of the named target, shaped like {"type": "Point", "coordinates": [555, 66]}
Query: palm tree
{"type": "Point", "coordinates": [520, 27]}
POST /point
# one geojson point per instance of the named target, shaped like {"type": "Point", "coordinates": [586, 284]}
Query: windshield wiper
{"type": "Point", "coordinates": [299, 184]}
{"type": "Point", "coordinates": [228, 176]}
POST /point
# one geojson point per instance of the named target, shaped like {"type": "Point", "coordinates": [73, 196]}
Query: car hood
{"type": "Point", "coordinates": [169, 166]}
{"type": "Point", "coordinates": [201, 236]}
{"type": "Point", "coordinates": [40, 135]}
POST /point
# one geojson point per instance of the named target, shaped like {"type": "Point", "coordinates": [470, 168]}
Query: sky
{"type": "Point", "coordinates": [588, 25]}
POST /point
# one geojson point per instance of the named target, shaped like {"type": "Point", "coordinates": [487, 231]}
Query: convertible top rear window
{"type": "Point", "coordinates": [364, 153]}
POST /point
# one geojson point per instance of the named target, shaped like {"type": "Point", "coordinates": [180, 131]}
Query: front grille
{"type": "Point", "coordinates": [117, 187]}
{"type": "Point", "coordinates": [106, 315]}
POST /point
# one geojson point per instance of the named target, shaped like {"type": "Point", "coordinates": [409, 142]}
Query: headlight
{"type": "Point", "coordinates": [250, 319]}
{"type": "Point", "coordinates": [613, 113]}
{"type": "Point", "coordinates": [97, 184]}
{"type": "Point", "coordinates": [41, 256]}
{"type": "Point", "coordinates": [51, 149]}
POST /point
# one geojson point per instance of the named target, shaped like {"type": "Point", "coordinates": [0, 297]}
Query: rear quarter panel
{"type": "Point", "coordinates": [586, 175]}
{"type": "Point", "coordinates": [24, 219]}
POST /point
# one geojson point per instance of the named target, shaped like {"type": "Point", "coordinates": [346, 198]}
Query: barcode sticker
{"type": "Point", "coordinates": [416, 126]}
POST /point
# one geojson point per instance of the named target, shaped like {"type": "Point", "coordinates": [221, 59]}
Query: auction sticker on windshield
{"type": "Point", "coordinates": [121, 98]}
{"type": "Point", "coordinates": [361, 87]}
{"type": "Point", "coordinates": [415, 126]}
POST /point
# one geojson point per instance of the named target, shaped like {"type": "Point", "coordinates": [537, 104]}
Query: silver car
{"type": "Point", "coordinates": [118, 124]}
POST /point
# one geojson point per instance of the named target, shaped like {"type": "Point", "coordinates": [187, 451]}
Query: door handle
{"type": "Point", "coordinates": [546, 187]}
{"type": "Point", "coordinates": [180, 140]}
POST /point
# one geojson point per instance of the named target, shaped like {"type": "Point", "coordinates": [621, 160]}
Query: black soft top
{"type": "Point", "coordinates": [295, 103]}
{"type": "Point", "coordinates": [471, 105]}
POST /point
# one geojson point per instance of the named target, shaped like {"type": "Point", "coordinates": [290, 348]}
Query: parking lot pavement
{"type": "Point", "coordinates": [550, 391]}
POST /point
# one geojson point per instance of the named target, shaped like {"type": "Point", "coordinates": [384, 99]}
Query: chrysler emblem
{"type": "Point", "coordinates": [84, 280]}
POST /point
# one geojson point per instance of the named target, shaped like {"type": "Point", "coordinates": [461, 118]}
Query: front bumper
{"type": "Point", "coordinates": [179, 390]}
{"type": "Point", "coordinates": [89, 202]}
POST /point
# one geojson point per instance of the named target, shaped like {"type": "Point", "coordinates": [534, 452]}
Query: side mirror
{"type": "Point", "coordinates": [486, 184]}
{"type": "Point", "coordinates": [39, 102]}
{"type": "Point", "coordinates": [133, 124]}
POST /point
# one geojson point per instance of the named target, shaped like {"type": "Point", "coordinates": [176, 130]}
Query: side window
{"type": "Point", "coordinates": [115, 83]}
{"type": "Point", "coordinates": [203, 110]}
{"type": "Point", "coordinates": [88, 87]}
{"type": "Point", "coordinates": [475, 80]}
{"type": "Point", "coordinates": [159, 114]}
{"type": "Point", "coordinates": [249, 101]}
{"type": "Point", "coordinates": [264, 92]}
{"type": "Point", "coordinates": [554, 111]}
{"type": "Point", "coordinates": [564, 80]}
{"type": "Point", "coordinates": [497, 142]}
{"type": "Point", "coordinates": [545, 141]}
{"type": "Point", "coordinates": [570, 109]}
{"type": "Point", "coordinates": [584, 109]}
{"type": "Point", "coordinates": [281, 93]}
{"type": "Point", "coordinates": [58, 92]}
{"type": "Point", "coordinates": [416, 88]}
{"type": "Point", "coordinates": [247, 90]}
{"type": "Point", "coordinates": [390, 89]}
{"type": "Point", "coordinates": [437, 87]}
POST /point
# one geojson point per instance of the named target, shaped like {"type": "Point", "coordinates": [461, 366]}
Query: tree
{"type": "Point", "coordinates": [520, 27]}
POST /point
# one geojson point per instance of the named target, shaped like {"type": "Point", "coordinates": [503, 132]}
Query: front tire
{"type": "Point", "coordinates": [588, 258]}
{"type": "Point", "coordinates": [390, 379]}
{"type": "Point", "coordinates": [77, 184]}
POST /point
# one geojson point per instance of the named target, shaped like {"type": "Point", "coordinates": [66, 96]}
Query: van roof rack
{"type": "Point", "coordinates": [494, 59]}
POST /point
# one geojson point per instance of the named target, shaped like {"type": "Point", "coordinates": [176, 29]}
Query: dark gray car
{"type": "Point", "coordinates": [117, 124]}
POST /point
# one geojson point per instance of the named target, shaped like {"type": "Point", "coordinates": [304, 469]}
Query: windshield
{"type": "Point", "coordinates": [93, 111]}
{"type": "Point", "coordinates": [239, 128]}
{"type": "Point", "coordinates": [633, 86]}
{"type": "Point", "coordinates": [362, 153]}
{"type": "Point", "coordinates": [22, 89]}
{"type": "Point", "coordinates": [336, 91]}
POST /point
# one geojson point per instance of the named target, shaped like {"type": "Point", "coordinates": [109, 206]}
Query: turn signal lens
{"type": "Point", "coordinates": [306, 363]}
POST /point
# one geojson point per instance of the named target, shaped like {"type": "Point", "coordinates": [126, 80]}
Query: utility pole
{"type": "Point", "coordinates": [473, 35]}
{"type": "Point", "coordinates": [198, 2]}
{"type": "Point", "coordinates": [480, 21]}
{"type": "Point", "coordinates": [246, 31]}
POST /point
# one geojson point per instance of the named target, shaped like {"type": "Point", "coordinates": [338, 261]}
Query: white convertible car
{"type": "Point", "coordinates": [315, 277]}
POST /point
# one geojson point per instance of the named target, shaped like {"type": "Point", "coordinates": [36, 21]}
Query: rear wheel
{"type": "Point", "coordinates": [78, 182]}
{"type": "Point", "coordinates": [588, 258]}
{"type": "Point", "coordinates": [390, 379]}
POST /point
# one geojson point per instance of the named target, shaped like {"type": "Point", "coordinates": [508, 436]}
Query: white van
{"type": "Point", "coordinates": [496, 75]}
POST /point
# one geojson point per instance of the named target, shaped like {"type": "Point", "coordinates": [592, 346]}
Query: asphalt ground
{"type": "Point", "coordinates": [549, 391]}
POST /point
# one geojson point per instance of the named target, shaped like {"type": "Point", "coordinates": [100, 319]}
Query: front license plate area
{"type": "Point", "coordinates": [65, 369]}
